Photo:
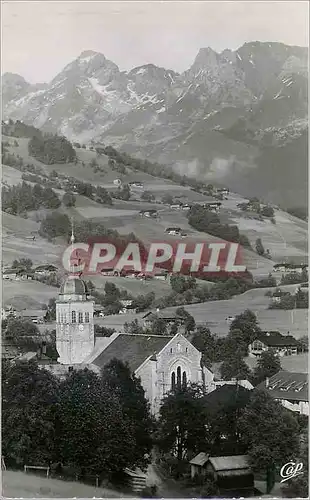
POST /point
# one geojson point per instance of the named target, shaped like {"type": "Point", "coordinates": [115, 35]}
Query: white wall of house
{"type": "Point", "coordinates": [301, 407]}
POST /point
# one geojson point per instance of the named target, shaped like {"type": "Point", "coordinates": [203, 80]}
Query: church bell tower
{"type": "Point", "coordinates": [75, 337]}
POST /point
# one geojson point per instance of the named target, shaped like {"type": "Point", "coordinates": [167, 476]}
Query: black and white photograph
{"type": "Point", "coordinates": [154, 227]}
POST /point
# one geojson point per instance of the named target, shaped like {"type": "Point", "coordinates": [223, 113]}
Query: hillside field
{"type": "Point", "coordinates": [17, 484]}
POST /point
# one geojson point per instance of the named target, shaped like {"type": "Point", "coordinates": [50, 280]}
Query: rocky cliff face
{"type": "Point", "coordinates": [224, 110]}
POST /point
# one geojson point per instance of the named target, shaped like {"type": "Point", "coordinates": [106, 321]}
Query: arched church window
{"type": "Point", "coordinates": [179, 376]}
{"type": "Point", "coordinates": [184, 379]}
{"type": "Point", "coordinates": [73, 316]}
{"type": "Point", "coordinates": [172, 381]}
{"type": "Point", "coordinates": [87, 317]}
{"type": "Point", "coordinates": [80, 317]}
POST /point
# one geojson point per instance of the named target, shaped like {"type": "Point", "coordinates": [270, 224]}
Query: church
{"type": "Point", "coordinates": [161, 362]}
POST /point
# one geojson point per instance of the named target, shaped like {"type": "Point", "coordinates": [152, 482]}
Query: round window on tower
{"type": "Point", "coordinates": [81, 327]}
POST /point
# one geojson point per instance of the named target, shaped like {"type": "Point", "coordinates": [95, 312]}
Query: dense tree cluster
{"type": "Point", "coordinates": [92, 423]}
{"type": "Point", "coordinates": [22, 198]}
{"type": "Point", "coordinates": [50, 149]}
{"type": "Point", "coordinates": [250, 422]}
{"type": "Point", "coordinates": [154, 169]}
{"type": "Point", "coordinates": [299, 300]}
{"type": "Point", "coordinates": [20, 129]}
{"type": "Point", "coordinates": [203, 220]}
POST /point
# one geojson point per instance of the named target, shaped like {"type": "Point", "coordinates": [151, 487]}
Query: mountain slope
{"type": "Point", "coordinates": [224, 118]}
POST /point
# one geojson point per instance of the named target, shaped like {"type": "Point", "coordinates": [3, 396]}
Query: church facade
{"type": "Point", "coordinates": [161, 362]}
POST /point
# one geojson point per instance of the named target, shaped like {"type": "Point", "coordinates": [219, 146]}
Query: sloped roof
{"type": "Point", "coordinates": [291, 386]}
{"type": "Point", "coordinates": [275, 339]}
{"type": "Point", "coordinates": [235, 462]}
{"type": "Point", "coordinates": [227, 395]}
{"type": "Point", "coordinates": [200, 459]}
{"type": "Point", "coordinates": [28, 313]}
{"type": "Point", "coordinates": [132, 349]}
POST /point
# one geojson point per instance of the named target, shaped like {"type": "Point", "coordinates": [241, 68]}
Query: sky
{"type": "Point", "coordinates": [40, 38]}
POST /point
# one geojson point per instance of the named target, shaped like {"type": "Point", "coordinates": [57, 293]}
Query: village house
{"type": "Point", "coordinates": [176, 206]}
{"type": "Point", "coordinates": [149, 213]}
{"type": "Point", "coordinates": [290, 389]}
{"type": "Point", "coordinates": [127, 307]}
{"type": "Point", "coordinates": [278, 295]}
{"type": "Point", "coordinates": [223, 191]}
{"type": "Point", "coordinates": [35, 315]}
{"type": "Point", "coordinates": [170, 318]}
{"type": "Point", "coordinates": [17, 275]}
{"type": "Point", "coordinates": [160, 274]}
{"type": "Point", "coordinates": [9, 274]}
{"type": "Point", "coordinates": [117, 182]}
{"type": "Point", "coordinates": [45, 270]}
{"type": "Point", "coordinates": [287, 268]}
{"type": "Point", "coordinates": [213, 206]}
{"type": "Point", "coordinates": [232, 474]}
{"type": "Point", "coordinates": [283, 345]}
{"type": "Point", "coordinates": [136, 184]}
{"type": "Point", "coordinates": [173, 230]}
{"type": "Point", "coordinates": [109, 271]}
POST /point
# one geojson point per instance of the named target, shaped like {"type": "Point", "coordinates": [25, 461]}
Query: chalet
{"type": "Point", "coordinates": [170, 318]}
{"type": "Point", "coordinates": [232, 474]}
{"type": "Point", "coordinates": [149, 213]}
{"type": "Point", "coordinates": [176, 206]}
{"type": "Point", "coordinates": [117, 182]}
{"type": "Point", "coordinates": [34, 315]}
{"type": "Point", "coordinates": [136, 184]}
{"type": "Point", "coordinates": [277, 296]}
{"type": "Point", "coordinates": [213, 206]}
{"type": "Point", "coordinates": [223, 191]}
{"type": "Point", "coordinates": [186, 206]}
{"type": "Point", "coordinates": [283, 345]}
{"type": "Point", "coordinates": [45, 270]}
{"type": "Point", "coordinates": [128, 307]}
{"type": "Point", "coordinates": [9, 274]}
{"type": "Point", "coordinates": [109, 271]}
{"type": "Point", "coordinates": [287, 268]}
{"type": "Point", "coordinates": [173, 230]}
{"type": "Point", "coordinates": [290, 389]}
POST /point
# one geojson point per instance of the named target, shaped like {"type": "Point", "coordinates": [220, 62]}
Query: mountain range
{"type": "Point", "coordinates": [238, 118]}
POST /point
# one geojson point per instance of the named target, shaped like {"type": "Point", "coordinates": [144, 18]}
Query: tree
{"type": "Point", "coordinates": [235, 368]}
{"type": "Point", "coordinates": [259, 247]}
{"type": "Point", "coordinates": [247, 323]}
{"type": "Point", "coordinates": [122, 383]}
{"type": "Point", "coordinates": [29, 399]}
{"type": "Point", "coordinates": [270, 433]}
{"type": "Point", "coordinates": [55, 224]}
{"type": "Point", "coordinates": [182, 428]}
{"type": "Point", "coordinates": [93, 434]}
{"type": "Point", "coordinates": [267, 211]}
{"type": "Point", "coordinates": [147, 196]}
{"type": "Point", "coordinates": [133, 328]}
{"type": "Point", "coordinates": [50, 149]}
{"type": "Point", "coordinates": [189, 324]}
{"type": "Point", "coordinates": [167, 199]}
{"type": "Point", "coordinates": [103, 196]}
{"type": "Point", "coordinates": [22, 263]}
{"type": "Point", "coordinates": [69, 200]}
{"type": "Point", "coordinates": [51, 310]}
{"type": "Point", "coordinates": [302, 299]}
{"type": "Point", "coordinates": [159, 327]}
{"type": "Point", "coordinates": [268, 364]}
